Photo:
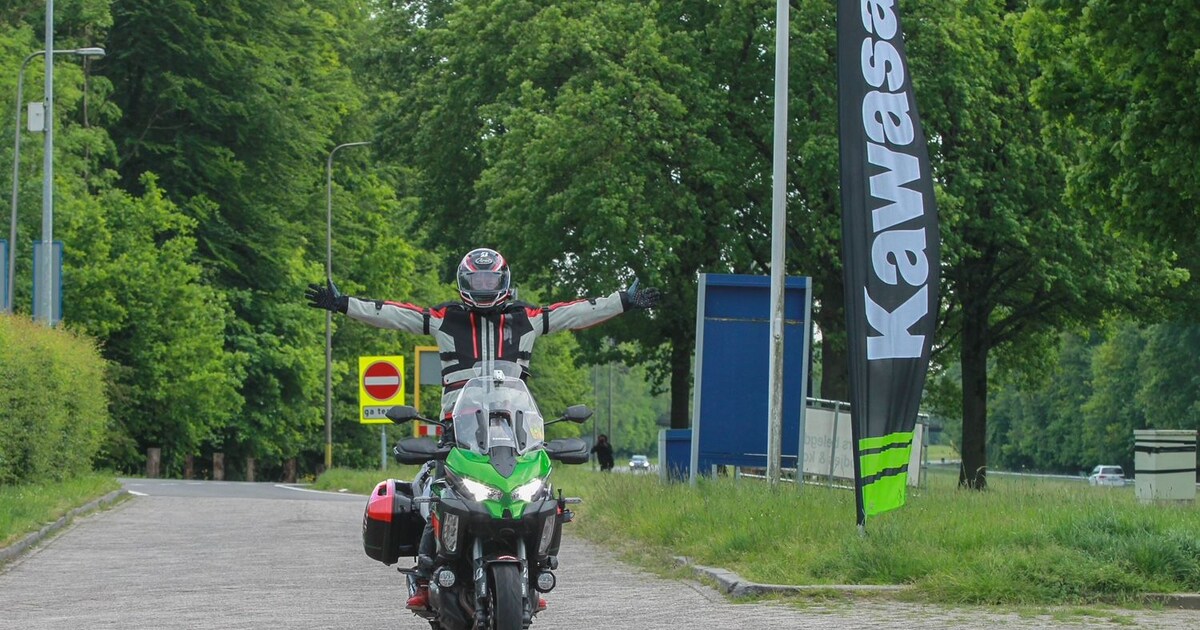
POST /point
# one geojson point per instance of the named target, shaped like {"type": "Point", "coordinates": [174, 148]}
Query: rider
{"type": "Point", "coordinates": [486, 324]}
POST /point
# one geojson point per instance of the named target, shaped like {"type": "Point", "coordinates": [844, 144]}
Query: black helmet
{"type": "Point", "coordinates": [483, 279]}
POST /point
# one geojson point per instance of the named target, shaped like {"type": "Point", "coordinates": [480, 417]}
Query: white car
{"type": "Point", "coordinates": [1107, 476]}
{"type": "Point", "coordinates": [639, 463]}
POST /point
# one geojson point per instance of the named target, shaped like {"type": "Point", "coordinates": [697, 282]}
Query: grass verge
{"type": "Point", "coordinates": [1021, 543]}
{"type": "Point", "coordinates": [361, 481]}
{"type": "Point", "coordinates": [27, 508]}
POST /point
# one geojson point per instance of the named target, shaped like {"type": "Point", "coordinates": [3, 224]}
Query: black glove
{"type": "Point", "coordinates": [640, 298]}
{"type": "Point", "coordinates": [327, 297]}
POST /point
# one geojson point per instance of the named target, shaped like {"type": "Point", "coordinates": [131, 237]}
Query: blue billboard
{"type": "Point", "coordinates": [730, 397]}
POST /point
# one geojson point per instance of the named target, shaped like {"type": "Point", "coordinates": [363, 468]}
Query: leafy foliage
{"type": "Point", "coordinates": [594, 143]}
{"type": "Point", "coordinates": [1123, 379]}
{"type": "Point", "coordinates": [135, 284]}
{"type": "Point", "coordinates": [52, 403]}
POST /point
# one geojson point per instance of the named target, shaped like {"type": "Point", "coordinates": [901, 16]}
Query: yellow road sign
{"type": "Point", "coordinates": [380, 387]}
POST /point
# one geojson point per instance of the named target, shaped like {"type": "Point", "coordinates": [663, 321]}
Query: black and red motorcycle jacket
{"type": "Point", "coordinates": [466, 336]}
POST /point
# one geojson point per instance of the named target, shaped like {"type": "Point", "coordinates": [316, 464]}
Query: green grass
{"type": "Point", "coordinates": [361, 481]}
{"type": "Point", "coordinates": [27, 508]}
{"type": "Point", "coordinates": [937, 452]}
{"type": "Point", "coordinates": [1021, 543]}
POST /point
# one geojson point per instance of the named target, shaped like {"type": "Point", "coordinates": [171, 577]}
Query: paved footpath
{"type": "Point", "coordinates": [260, 556]}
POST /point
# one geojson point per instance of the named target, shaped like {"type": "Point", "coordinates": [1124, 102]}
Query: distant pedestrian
{"type": "Point", "coordinates": [603, 451]}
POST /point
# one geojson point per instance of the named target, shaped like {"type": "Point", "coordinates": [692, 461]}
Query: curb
{"type": "Point", "coordinates": [9, 553]}
{"type": "Point", "coordinates": [1186, 601]}
{"type": "Point", "coordinates": [734, 585]}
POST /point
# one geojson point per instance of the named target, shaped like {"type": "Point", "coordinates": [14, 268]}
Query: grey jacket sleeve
{"type": "Point", "coordinates": [581, 313]}
{"type": "Point", "coordinates": [383, 314]}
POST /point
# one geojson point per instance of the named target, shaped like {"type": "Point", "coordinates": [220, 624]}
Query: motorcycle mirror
{"type": "Point", "coordinates": [402, 413]}
{"type": "Point", "coordinates": [575, 413]}
{"type": "Point", "coordinates": [578, 413]}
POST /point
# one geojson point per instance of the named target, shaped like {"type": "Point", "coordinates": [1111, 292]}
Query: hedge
{"type": "Point", "coordinates": [53, 408]}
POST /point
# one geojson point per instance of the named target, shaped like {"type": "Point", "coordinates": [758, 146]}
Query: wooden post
{"type": "Point", "coordinates": [249, 469]}
{"type": "Point", "coordinates": [289, 471]}
{"type": "Point", "coordinates": [153, 462]}
{"type": "Point", "coordinates": [189, 467]}
{"type": "Point", "coordinates": [218, 467]}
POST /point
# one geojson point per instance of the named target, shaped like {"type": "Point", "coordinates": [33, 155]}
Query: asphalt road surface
{"type": "Point", "coordinates": [259, 555]}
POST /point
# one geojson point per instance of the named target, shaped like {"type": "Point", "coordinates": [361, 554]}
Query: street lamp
{"type": "Point", "coordinates": [87, 53]}
{"type": "Point", "coordinates": [329, 314]}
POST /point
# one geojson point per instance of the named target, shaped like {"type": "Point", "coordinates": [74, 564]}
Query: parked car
{"type": "Point", "coordinates": [639, 463]}
{"type": "Point", "coordinates": [1107, 476]}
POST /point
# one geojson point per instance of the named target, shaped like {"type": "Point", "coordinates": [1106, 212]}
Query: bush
{"type": "Point", "coordinates": [53, 409]}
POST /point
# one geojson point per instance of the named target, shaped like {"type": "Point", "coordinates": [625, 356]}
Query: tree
{"type": "Point", "coordinates": [1019, 263]}
{"type": "Point", "coordinates": [1168, 395]}
{"type": "Point", "coordinates": [234, 106]}
{"type": "Point", "coordinates": [1118, 84]}
{"type": "Point", "coordinates": [133, 282]}
{"type": "Point", "coordinates": [602, 142]}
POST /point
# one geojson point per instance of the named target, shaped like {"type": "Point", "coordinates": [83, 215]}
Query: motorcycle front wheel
{"type": "Point", "coordinates": [506, 597]}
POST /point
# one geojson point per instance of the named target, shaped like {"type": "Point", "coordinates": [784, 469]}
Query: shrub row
{"type": "Point", "coordinates": [53, 409]}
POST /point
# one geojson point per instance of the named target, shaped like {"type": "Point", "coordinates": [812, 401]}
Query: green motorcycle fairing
{"type": "Point", "coordinates": [476, 467]}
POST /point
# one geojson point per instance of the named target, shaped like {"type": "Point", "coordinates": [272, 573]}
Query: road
{"type": "Point", "coordinates": [260, 555]}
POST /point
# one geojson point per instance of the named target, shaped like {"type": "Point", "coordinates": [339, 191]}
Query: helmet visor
{"type": "Point", "coordinates": [483, 281]}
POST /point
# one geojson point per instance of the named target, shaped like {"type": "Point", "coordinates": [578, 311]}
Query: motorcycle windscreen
{"type": "Point", "coordinates": [493, 413]}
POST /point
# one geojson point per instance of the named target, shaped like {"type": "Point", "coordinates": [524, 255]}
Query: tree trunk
{"type": "Point", "coordinates": [681, 384]}
{"type": "Point", "coordinates": [249, 469]}
{"type": "Point", "coordinates": [218, 467]}
{"type": "Point", "coordinates": [289, 471]}
{"type": "Point", "coordinates": [973, 356]}
{"type": "Point", "coordinates": [153, 462]}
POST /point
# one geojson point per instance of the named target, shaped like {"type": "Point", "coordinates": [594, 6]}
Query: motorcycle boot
{"type": "Point", "coordinates": [422, 574]}
{"type": "Point", "coordinates": [420, 599]}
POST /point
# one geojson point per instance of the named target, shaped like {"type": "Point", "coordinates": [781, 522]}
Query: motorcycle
{"type": "Point", "coordinates": [485, 488]}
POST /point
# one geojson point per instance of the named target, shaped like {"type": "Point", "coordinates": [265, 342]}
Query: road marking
{"type": "Point", "coordinates": [287, 487]}
{"type": "Point", "coordinates": [136, 493]}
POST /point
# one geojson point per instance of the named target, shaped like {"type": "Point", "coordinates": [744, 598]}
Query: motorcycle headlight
{"type": "Point", "coordinates": [450, 537]}
{"type": "Point", "coordinates": [528, 491]}
{"type": "Point", "coordinates": [547, 535]}
{"type": "Point", "coordinates": [480, 491]}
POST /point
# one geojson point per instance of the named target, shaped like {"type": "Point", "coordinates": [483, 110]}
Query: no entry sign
{"type": "Point", "coordinates": [381, 380]}
{"type": "Point", "coordinates": [380, 387]}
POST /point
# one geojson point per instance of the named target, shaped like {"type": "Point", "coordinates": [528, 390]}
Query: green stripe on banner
{"type": "Point", "coordinates": [883, 470]}
{"type": "Point", "coordinates": [875, 463]}
{"type": "Point", "coordinates": [885, 494]}
{"type": "Point", "coordinates": [883, 441]}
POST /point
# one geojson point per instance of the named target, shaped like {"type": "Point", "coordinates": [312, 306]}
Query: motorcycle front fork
{"type": "Point", "coordinates": [481, 584]}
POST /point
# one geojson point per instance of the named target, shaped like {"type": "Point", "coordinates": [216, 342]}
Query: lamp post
{"type": "Point", "coordinates": [329, 314]}
{"type": "Point", "coordinates": [12, 231]}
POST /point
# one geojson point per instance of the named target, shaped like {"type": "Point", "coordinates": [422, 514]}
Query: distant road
{"type": "Point", "coordinates": [259, 555]}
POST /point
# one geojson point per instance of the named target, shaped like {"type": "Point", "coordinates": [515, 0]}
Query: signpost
{"type": "Point", "coordinates": [5, 299]}
{"type": "Point", "coordinates": [54, 295]}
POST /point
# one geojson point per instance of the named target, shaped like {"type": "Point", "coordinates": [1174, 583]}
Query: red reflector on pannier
{"type": "Point", "coordinates": [379, 506]}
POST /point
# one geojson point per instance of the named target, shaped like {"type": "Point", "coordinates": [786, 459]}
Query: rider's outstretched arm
{"type": "Point", "coordinates": [378, 313]}
{"type": "Point", "coordinates": [386, 314]}
{"type": "Point", "coordinates": [586, 313]}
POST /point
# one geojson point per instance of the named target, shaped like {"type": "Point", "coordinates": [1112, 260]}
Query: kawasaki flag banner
{"type": "Point", "coordinates": [889, 247]}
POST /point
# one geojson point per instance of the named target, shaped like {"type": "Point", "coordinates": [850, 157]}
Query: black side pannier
{"type": "Point", "coordinates": [392, 524]}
